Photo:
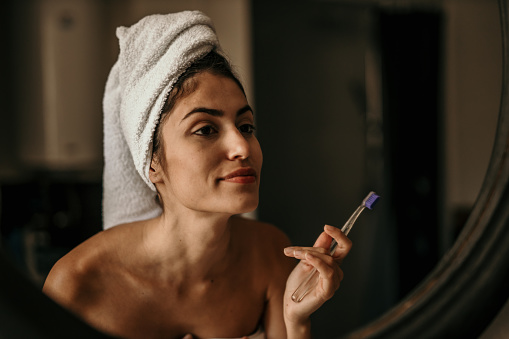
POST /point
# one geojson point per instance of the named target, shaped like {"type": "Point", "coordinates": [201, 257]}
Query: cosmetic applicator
{"type": "Point", "coordinates": [312, 278]}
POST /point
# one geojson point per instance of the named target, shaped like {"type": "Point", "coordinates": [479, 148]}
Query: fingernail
{"type": "Point", "coordinates": [329, 228]}
{"type": "Point", "coordinates": [288, 250]}
{"type": "Point", "coordinates": [297, 253]}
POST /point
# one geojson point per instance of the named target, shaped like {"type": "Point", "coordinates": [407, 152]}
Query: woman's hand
{"type": "Point", "coordinates": [330, 275]}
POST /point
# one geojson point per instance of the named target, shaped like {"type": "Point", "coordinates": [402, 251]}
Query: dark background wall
{"type": "Point", "coordinates": [309, 67]}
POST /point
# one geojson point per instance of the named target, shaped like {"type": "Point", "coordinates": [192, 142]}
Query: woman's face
{"type": "Point", "coordinates": [212, 157]}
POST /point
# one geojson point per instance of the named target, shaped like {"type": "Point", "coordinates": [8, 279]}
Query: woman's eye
{"type": "Point", "coordinates": [247, 128]}
{"type": "Point", "coordinates": [206, 130]}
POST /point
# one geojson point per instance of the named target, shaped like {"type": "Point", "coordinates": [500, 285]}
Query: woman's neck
{"type": "Point", "coordinates": [194, 245]}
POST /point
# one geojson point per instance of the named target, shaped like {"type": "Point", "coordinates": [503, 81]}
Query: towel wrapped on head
{"type": "Point", "coordinates": [153, 53]}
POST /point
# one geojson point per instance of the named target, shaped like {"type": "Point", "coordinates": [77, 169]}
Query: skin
{"type": "Point", "coordinates": [199, 270]}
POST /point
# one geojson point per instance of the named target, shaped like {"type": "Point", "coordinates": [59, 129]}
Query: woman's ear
{"type": "Point", "coordinates": [155, 172]}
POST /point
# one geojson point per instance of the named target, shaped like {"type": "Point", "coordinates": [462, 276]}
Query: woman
{"type": "Point", "coordinates": [196, 270]}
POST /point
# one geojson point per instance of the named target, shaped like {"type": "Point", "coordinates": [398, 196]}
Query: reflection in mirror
{"type": "Point", "coordinates": [349, 98]}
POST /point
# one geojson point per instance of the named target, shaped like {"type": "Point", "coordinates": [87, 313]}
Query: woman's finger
{"type": "Point", "coordinates": [298, 251]}
{"type": "Point", "coordinates": [301, 254]}
{"type": "Point", "coordinates": [330, 273]}
{"type": "Point", "coordinates": [344, 244]}
{"type": "Point", "coordinates": [324, 240]}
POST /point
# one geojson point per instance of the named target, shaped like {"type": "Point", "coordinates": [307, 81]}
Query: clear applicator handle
{"type": "Point", "coordinates": [312, 278]}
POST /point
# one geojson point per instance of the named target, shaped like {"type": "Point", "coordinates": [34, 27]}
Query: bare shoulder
{"type": "Point", "coordinates": [71, 280]}
{"type": "Point", "coordinates": [266, 242]}
{"type": "Point", "coordinates": [67, 276]}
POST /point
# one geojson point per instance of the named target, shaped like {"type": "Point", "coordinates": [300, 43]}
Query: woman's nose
{"type": "Point", "coordinates": [237, 146]}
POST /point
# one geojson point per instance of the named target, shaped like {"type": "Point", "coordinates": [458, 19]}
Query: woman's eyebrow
{"type": "Point", "coordinates": [211, 111]}
{"type": "Point", "coordinates": [215, 112]}
{"type": "Point", "coordinates": [245, 109]}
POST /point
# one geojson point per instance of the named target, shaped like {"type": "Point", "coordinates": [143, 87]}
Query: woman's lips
{"type": "Point", "coordinates": [241, 176]}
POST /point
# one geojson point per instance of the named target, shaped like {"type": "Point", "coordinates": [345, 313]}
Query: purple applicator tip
{"type": "Point", "coordinates": [371, 200]}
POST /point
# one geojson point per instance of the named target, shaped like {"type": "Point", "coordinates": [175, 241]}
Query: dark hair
{"type": "Point", "coordinates": [213, 63]}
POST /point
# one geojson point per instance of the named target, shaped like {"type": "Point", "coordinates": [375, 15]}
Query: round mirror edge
{"type": "Point", "coordinates": [469, 285]}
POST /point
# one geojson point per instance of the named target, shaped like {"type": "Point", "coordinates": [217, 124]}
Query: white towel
{"type": "Point", "coordinates": [153, 53]}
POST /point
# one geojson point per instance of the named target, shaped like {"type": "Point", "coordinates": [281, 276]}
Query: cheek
{"type": "Point", "coordinates": [191, 167]}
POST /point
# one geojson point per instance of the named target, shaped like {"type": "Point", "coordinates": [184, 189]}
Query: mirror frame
{"type": "Point", "coordinates": [459, 298]}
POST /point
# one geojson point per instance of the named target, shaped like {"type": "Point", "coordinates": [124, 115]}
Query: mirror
{"type": "Point", "coordinates": [375, 96]}
{"type": "Point", "coordinates": [355, 169]}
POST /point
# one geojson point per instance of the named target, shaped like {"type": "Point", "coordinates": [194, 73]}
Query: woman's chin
{"type": "Point", "coordinates": [246, 206]}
